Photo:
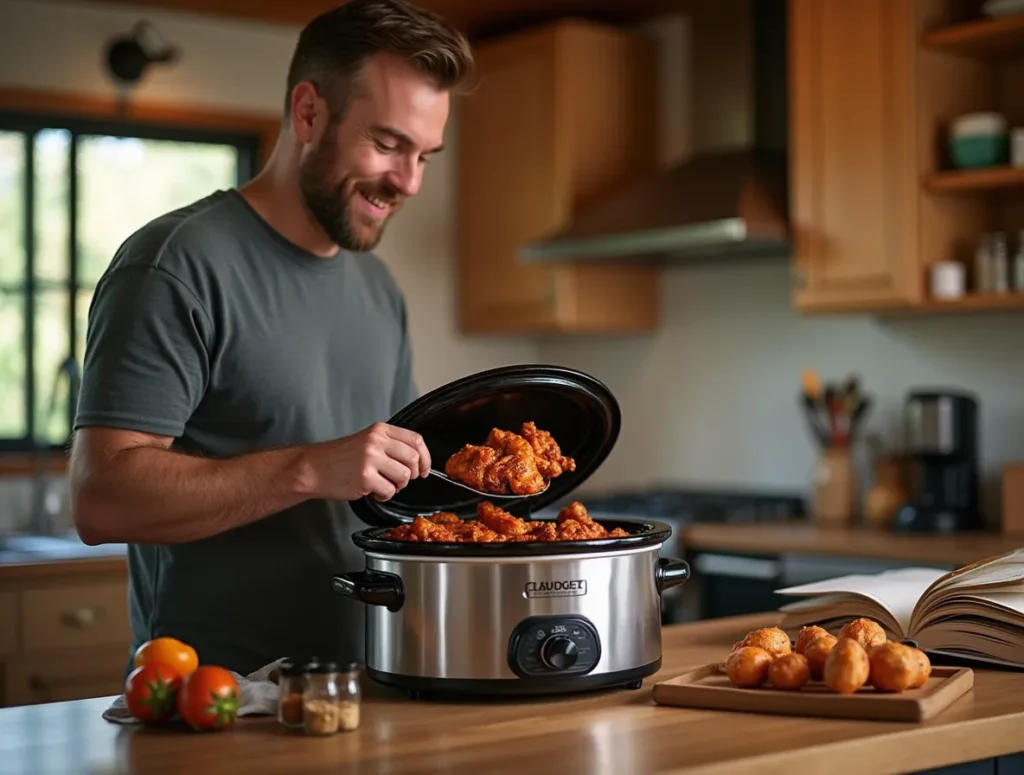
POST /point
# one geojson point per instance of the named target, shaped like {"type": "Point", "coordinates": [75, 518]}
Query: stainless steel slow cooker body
{"type": "Point", "coordinates": [510, 618]}
{"type": "Point", "coordinates": [514, 618]}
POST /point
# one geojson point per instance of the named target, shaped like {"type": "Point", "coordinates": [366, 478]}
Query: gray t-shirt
{"type": "Point", "coordinates": [210, 327]}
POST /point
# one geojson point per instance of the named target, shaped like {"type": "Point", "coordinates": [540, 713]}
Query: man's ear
{"type": "Point", "coordinates": [306, 107]}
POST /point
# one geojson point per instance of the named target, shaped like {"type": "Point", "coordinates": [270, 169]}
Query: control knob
{"type": "Point", "coordinates": [559, 652]}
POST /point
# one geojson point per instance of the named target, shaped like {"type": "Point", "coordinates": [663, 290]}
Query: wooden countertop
{"type": "Point", "coordinates": [611, 732]}
{"type": "Point", "coordinates": [16, 567]}
{"type": "Point", "coordinates": [778, 538]}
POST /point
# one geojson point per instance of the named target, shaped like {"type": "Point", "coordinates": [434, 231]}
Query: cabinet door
{"type": "Point", "coordinates": [509, 191]}
{"type": "Point", "coordinates": [563, 116]}
{"type": "Point", "coordinates": [853, 154]}
{"type": "Point", "coordinates": [59, 676]}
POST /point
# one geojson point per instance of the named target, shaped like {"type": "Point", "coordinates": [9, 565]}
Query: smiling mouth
{"type": "Point", "coordinates": [377, 202]}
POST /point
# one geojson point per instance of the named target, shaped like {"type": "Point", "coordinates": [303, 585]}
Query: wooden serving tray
{"type": "Point", "coordinates": [709, 688]}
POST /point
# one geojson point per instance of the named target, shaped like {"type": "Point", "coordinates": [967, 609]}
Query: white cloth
{"type": "Point", "coordinates": [258, 690]}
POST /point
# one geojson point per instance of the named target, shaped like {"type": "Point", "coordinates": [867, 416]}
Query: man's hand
{"type": "Point", "coordinates": [377, 461]}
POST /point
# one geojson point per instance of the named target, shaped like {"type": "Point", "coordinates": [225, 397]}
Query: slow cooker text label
{"type": "Point", "coordinates": [559, 588]}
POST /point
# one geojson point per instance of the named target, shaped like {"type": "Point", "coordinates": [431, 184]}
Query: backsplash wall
{"type": "Point", "coordinates": [712, 398]}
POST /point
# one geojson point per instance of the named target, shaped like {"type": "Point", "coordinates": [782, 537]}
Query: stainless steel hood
{"type": "Point", "coordinates": [729, 197]}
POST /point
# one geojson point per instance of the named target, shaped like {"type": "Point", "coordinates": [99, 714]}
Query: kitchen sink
{"type": "Point", "coordinates": [60, 545]}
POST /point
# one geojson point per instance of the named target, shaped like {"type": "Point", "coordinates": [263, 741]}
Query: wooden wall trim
{"type": "Point", "coordinates": [265, 126]}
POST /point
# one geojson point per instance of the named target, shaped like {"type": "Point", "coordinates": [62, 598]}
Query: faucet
{"type": "Point", "coordinates": [47, 492]}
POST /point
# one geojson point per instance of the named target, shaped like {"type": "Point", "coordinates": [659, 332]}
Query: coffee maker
{"type": "Point", "coordinates": [942, 451]}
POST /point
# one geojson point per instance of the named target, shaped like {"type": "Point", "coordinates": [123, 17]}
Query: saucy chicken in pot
{"type": "Point", "coordinates": [518, 463]}
{"type": "Point", "coordinates": [573, 523]}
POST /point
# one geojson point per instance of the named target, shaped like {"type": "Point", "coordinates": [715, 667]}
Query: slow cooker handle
{"type": "Point", "coordinates": [670, 573]}
{"type": "Point", "coordinates": [372, 588]}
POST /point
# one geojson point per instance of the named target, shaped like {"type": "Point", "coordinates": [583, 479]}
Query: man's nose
{"type": "Point", "coordinates": [407, 176]}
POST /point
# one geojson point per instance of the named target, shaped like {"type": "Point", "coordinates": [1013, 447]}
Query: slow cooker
{"type": "Point", "coordinates": [510, 618]}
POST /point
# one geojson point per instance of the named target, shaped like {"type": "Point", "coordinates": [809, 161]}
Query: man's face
{"type": "Point", "coordinates": [357, 173]}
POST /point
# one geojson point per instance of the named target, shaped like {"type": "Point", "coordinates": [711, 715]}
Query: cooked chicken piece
{"type": "Point", "coordinates": [447, 519]}
{"type": "Point", "coordinates": [550, 460]}
{"type": "Point", "coordinates": [509, 463]}
{"type": "Point", "coordinates": [495, 525]}
{"type": "Point", "coordinates": [544, 531]}
{"type": "Point", "coordinates": [575, 524]}
{"type": "Point", "coordinates": [500, 521]}
{"type": "Point", "coordinates": [421, 529]}
{"type": "Point", "coordinates": [574, 510]}
{"type": "Point", "coordinates": [470, 465]}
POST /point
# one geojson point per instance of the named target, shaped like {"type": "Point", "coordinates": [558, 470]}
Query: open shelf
{"type": "Point", "coordinates": [987, 179]}
{"type": "Point", "coordinates": [976, 302]}
{"type": "Point", "coordinates": [996, 38]}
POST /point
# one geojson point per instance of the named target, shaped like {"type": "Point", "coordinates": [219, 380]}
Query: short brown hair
{"type": "Point", "coordinates": [333, 48]}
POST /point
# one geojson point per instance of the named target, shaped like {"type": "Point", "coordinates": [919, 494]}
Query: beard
{"type": "Point", "coordinates": [329, 201]}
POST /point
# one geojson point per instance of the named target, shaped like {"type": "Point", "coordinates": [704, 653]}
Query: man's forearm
{"type": "Point", "coordinates": [153, 495]}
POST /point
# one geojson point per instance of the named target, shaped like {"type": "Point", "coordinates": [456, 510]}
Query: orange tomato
{"type": "Point", "coordinates": [168, 651]}
{"type": "Point", "coordinates": [208, 699]}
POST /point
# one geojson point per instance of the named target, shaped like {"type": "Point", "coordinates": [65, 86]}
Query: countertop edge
{"type": "Point", "coordinates": [46, 567]}
{"type": "Point", "coordinates": [854, 541]}
{"type": "Point", "coordinates": [903, 751]}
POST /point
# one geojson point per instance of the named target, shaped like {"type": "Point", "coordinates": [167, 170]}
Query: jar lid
{"type": "Point", "coordinates": [293, 666]}
{"type": "Point", "coordinates": [333, 666]}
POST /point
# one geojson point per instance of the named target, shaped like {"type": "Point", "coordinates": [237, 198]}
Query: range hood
{"type": "Point", "coordinates": [729, 197]}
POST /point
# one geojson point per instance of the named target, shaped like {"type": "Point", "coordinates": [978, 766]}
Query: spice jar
{"type": "Point", "coordinates": [290, 687]}
{"type": "Point", "coordinates": [331, 697]}
{"type": "Point", "coordinates": [351, 697]}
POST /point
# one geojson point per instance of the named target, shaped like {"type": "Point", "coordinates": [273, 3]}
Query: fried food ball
{"type": "Point", "coordinates": [894, 667]}
{"type": "Point", "coordinates": [866, 632]}
{"type": "Point", "coordinates": [747, 666]}
{"type": "Point", "coordinates": [807, 635]}
{"type": "Point", "coordinates": [772, 639]}
{"type": "Point", "coordinates": [817, 652]}
{"type": "Point", "coordinates": [924, 668]}
{"type": "Point", "coordinates": [847, 667]}
{"type": "Point", "coordinates": [789, 672]}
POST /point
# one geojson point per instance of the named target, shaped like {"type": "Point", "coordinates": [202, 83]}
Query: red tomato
{"type": "Point", "coordinates": [151, 692]}
{"type": "Point", "coordinates": [208, 698]}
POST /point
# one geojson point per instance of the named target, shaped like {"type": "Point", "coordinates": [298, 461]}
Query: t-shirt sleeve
{"type": "Point", "coordinates": [147, 361]}
{"type": "Point", "coordinates": [405, 390]}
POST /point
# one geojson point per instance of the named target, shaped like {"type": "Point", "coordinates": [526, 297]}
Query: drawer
{"type": "Point", "coordinates": [8, 623]}
{"type": "Point", "coordinates": [60, 677]}
{"type": "Point", "coordinates": [74, 617]}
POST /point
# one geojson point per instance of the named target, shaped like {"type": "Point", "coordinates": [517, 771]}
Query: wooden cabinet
{"type": "Point", "coordinates": [854, 154]}
{"type": "Point", "coordinates": [64, 631]}
{"type": "Point", "coordinates": [562, 116]}
{"type": "Point", "coordinates": [875, 202]}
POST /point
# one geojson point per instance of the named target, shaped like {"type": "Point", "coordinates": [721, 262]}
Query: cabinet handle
{"type": "Point", "coordinates": [81, 618]}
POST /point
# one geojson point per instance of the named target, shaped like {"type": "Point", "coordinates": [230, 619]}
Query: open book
{"type": "Point", "coordinates": [975, 612]}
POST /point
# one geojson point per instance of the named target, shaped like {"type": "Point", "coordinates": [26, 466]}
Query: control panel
{"type": "Point", "coordinates": [553, 645]}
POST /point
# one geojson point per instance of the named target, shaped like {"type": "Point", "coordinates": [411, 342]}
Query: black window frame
{"type": "Point", "coordinates": [29, 123]}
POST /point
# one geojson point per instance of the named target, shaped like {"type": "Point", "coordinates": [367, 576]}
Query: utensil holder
{"type": "Point", "coordinates": [889, 492]}
{"type": "Point", "coordinates": [834, 488]}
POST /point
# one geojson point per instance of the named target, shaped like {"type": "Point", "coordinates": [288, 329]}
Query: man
{"type": "Point", "coordinates": [244, 350]}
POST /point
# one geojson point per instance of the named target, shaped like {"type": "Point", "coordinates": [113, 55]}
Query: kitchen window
{"type": "Point", "coordinates": [71, 191]}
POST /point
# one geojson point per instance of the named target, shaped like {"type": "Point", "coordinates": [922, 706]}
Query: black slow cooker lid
{"type": "Point", "coordinates": [577, 409]}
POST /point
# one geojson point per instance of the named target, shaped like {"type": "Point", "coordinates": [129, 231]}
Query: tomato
{"type": "Point", "coordinates": [151, 692]}
{"type": "Point", "coordinates": [208, 698]}
{"type": "Point", "coordinates": [168, 651]}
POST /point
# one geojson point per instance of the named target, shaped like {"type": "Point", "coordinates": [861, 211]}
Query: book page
{"type": "Point", "coordinates": [1005, 571]}
{"type": "Point", "coordinates": [1003, 568]}
{"type": "Point", "coordinates": [1002, 607]}
{"type": "Point", "coordinates": [975, 639]}
{"type": "Point", "coordinates": [895, 591]}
